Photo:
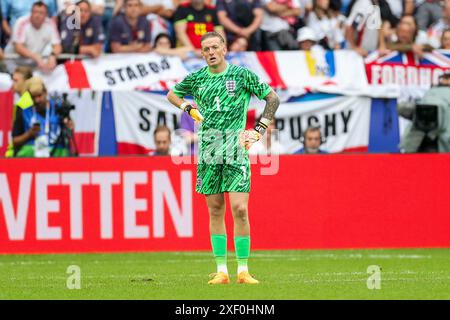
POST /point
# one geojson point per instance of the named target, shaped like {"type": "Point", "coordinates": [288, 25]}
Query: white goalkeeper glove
{"type": "Point", "coordinates": [193, 112]}
{"type": "Point", "coordinates": [249, 137]}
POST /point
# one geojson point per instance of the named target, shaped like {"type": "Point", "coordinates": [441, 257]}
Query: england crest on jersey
{"type": "Point", "coordinates": [231, 86]}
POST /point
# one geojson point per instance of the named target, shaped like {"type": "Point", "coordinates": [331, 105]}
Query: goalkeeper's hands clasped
{"type": "Point", "coordinates": [193, 112]}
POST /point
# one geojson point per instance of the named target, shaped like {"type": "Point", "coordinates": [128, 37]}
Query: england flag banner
{"type": "Point", "coordinates": [294, 72]}
{"type": "Point", "coordinates": [117, 72]}
{"type": "Point", "coordinates": [291, 72]}
{"type": "Point", "coordinates": [137, 114]}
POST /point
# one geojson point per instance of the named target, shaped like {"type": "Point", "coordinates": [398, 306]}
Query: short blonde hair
{"type": "Point", "coordinates": [212, 34]}
{"type": "Point", "coordinates": [35, 86]}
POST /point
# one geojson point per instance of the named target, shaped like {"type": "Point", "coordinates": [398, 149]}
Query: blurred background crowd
{"type": "Point", "coordinates": [43, 31]}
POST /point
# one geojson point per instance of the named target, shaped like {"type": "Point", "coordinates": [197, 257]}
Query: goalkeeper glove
{"type": "Point", "coordinates": [193, 112]}
{"type": "Point", "coordinates": [251, 136]}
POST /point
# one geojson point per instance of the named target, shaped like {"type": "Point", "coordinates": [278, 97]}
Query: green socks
{"type": "Point", "coordinates": [242, 247]}
{"type": "Point", "coordinates": [219, 246]}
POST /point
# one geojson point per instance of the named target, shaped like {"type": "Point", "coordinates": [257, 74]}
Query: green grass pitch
{"type": "Point", "coordinates": [299, 274]}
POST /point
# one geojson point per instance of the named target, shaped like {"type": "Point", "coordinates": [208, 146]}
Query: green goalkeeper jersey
{"type": "Point", "coordinates": [222, 98]}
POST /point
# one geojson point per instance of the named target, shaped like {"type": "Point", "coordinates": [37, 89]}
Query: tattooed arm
{"type": "Point", "coordinates": [272, 103]}
{"type": "Point", "coordinates": [251, 136]}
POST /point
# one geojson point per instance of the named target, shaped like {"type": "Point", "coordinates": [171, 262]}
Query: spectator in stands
{"type": "Point", "coordinates": [193, 20]}
{"type": "Point", "coordinates": [89, 38]}
{"type": "Point", "coordinates": [159, 13]}
{"type": "Point", "coordinates": [162, 138]}
{"type": "Point", "coordinates": [269, 144]}
{"type": "Point", "coordinates": [241, 18]}
{"type": "Point", "coordinates": [445, 39]}
{"type": "Point", "coordinates": [435, 31]}
{"type": "Point", "coordinates": [421, 36]}
{"type": "Point", "coordinates": [405, 40]}
{"type": "Point", "coordinates": [306, 38]}
{"type": "Point", "coordinates": [327, 24]}
{"type": "Point", "coordinates": [278, 20]}
{"type": "Point", "coordinates": [20, 76]}
{"type": "Point", "coordinates": [311, 140]}
{"type": "Point", "coordinates": [364, 22]}
{"type": "Point", "coordinates": [130, 31]}
{"type": "Point", "coordinates": [12, 10]}
{"type": "Point", "coordinates": [239, 44]}
{"type": "Point", "coordinates": [428, 13]}
{"type": "Point", "coordinates": [36, 37]}
{"type": "Point", "coordinates": [163, 46]}
{"type": "Point", "coordinates": [22, 96]}
{"type": "Point", "coordinates": [389, 35]}
{"type": "Point", "coordinates": [37, 127]}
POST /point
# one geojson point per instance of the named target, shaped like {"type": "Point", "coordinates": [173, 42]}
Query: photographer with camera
{"type": "Point", "coordinates": [429, 130]}
{"type": "Point", "coordinates": [45, 128]}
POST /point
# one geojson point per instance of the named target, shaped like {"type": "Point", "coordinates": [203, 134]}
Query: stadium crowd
{"type": "Point", "coordinates": [42, 34]}
{"type": "Point", "coordinates": [43, 30]}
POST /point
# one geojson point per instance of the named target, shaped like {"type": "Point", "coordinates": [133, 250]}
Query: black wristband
{"type": "Point", "coordinates": [260, 128]}
{"type": "Point", "coordinates": [188, 109]}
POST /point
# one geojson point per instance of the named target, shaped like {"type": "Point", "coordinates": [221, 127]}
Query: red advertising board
{"type": "Point", "coordinates": [149, 204]}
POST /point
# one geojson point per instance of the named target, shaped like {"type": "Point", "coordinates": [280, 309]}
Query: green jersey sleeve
{"type": "Point", "coordinates": [254, 85]}
{"type": "Point", "coordinates": [185, 87]}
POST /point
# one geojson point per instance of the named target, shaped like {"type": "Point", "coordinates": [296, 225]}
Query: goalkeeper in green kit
{"type": "Point", "coordinates": [222, 93]}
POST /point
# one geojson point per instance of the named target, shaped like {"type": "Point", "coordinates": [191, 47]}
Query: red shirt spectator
{"type": "Point", "coordinates": [193, 20]}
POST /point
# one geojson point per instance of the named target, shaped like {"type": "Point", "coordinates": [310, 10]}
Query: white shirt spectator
{"type": "Point", "coordinates": [36, 40]}
{"type": "Point", "coordinates": [327, 27]}
{"type": "Point", "coordinates": [158, 24]}
{"type": "Point", "coordinates": [273, 23]}
{"type": "Point", "coordinates": [366, 21]}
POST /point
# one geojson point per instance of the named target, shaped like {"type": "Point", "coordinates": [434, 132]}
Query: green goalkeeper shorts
{"type": "Point", "coordinates": [220, 178]}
